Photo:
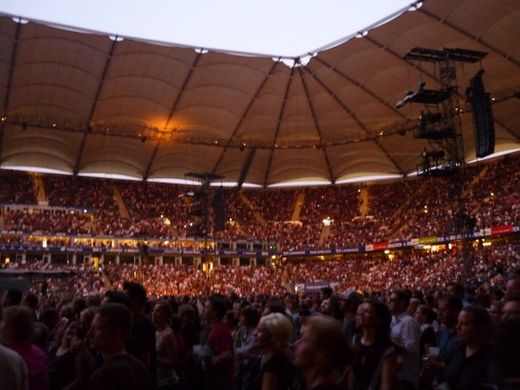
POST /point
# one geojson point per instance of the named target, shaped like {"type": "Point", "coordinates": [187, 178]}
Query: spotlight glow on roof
{"type": "Point", "coordinates": [108, 176]}
{"type": "Point", "coordinates": [369, 178]}
{"type": "Point", "coordinates": [497, 154]}
{"type": "Point", "coordinates": [34, 169]}
{"type": "Point", "coordinates": [299, 184]}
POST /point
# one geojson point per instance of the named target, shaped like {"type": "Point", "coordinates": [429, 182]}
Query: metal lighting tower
{"type": "Point", "coordinates": [440, 122]}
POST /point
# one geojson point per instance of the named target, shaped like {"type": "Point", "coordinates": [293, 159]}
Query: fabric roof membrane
{"type": "Point", "coordinates": [86, 102]}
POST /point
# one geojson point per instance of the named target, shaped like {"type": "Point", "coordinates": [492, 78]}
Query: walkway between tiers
{"type": "Point", "coordinates": [477, 178]}
{"type": "Point", "coordinates": [298, 205]}
{"type": "Point", "coordinates": [123, 211]}
{"type": "Point", "coordinates": [39, 189]}
{"type": "Point", "coordinates": [363, 201]}
{"type": "Point", "coordinates": [324, 235]}
{"type": "Point", "coordinates": [259, 218]}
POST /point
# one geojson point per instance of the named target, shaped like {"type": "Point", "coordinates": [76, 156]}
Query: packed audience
{"type": "Point", "coordinates": [46, 221]}
{"type": "Point", "coordinates": [495, 199]}
{"type": "Point", "coordinates": [412, 319]}
{"type": "Point", "coordinates": [386, 324]}
{"type": "Point", "coordinates": [422, 270]}
{"type": "Point", "coordinates": [370, 273]}
{"type": "Point", "coordinates": [16, 188]}
{"type": "Point", "coordinates": [486, 197]}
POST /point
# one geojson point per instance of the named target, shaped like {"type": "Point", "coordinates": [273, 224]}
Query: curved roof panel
{"type": "Point", "coordinates": [87, 102]}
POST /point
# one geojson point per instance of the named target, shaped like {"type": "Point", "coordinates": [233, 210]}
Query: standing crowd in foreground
{"type": "Point", "coordinates": [401, 339]}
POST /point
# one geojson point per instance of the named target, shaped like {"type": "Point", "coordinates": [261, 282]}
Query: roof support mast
{"type": "Point", "coordinates": [170, 115]}
{"type": "Point", "coordinates": [318, 129]}
{"type": "Point", "coordinates": [352, 115]}
{"type": "Point", "coordinates": [278, 125]}
{"type": "Point", "coordinates": [94, 105]}
{"type": "Point", "coordinates": [244, 114]}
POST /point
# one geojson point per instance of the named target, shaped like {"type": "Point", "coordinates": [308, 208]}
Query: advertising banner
{"type": "Point", "coordinates": [428, 240]}
{"type": "Point", "coordinates": [502, 229]}
{"type": "Point", "coordinates": [311, 287]}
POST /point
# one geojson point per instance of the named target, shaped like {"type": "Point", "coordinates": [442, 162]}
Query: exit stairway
{"type": "Point", "coordinates": [39, 189]}
{"type": "Point", "coordinates": [298, 205]}
{"type": "Point", "coordinates": [245, 200]}
{"type": "Point", "coordinates": [123, 211]}
{"type": "Point", "coordinates": [363, 201]}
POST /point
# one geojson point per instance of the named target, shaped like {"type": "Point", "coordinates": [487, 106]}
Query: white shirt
{"type": "Point", "coordinates": [405, 332]}
{"type": "Point", "coordinates": [13, 371]}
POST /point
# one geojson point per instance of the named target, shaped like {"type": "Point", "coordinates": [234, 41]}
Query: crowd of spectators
{"type": "Point", "coordinates": [385, 201]}
{"type": "Point", "coordinates": [369, 273]}
{"type": "Point", "coordinates": [495, 199]}
{"type": "Point", "coordinates": [412, 208]}
{"type": "Point", "coordinates": [408, 319]}
{"type": "Point", "coordinates": [79, 192]}
{"type": "Point", "coordinates": [376, 272]}
{"type": "Point", "coordinates": [16, 188]}
{"type": "Point", "coordinates": [48, 220]}
{"type": "Point", "coordinates": [421, 318]}
{"type": "Point", "coordinates": [431, 210]}
{"type": "Point", "coordinates": [274, 204]}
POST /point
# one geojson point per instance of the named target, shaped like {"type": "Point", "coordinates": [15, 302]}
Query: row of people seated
{"type": "Point", "coordinates": [403, 210]}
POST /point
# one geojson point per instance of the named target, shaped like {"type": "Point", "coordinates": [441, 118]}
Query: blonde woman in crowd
{"type": "Point", "coordinates": [273, 335]}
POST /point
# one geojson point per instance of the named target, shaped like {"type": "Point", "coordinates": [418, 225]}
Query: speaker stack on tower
{"type": "Point", "coordinates": [484, 126]}
{"type": "Point", "coordinates": [219, 209]}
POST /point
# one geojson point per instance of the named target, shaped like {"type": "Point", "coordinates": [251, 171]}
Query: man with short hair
{"type": "Point", "coordinates": [457, 290]}
{"type": "Point", "coordinates": [16, 331]}
{"type": "Point", "coordinates": [31, 301]}
{"type": "Point", "coordinates": [12, 297]}
{"type": "Point", "coordinates": [405, 332]}
{"type": "Point", "coordinates": [513, 283]}
{"type": "Point", "coordinates": [141, 342]}
{"type": "Point", "coordinates": [13, 370]}
{"type": "Point", "coordinates": [349, 302]}
{"type": "Point", "coordinates": [511, 308]}
{"type": "Point", "coordinates": [109, 332]}
{"type": "Point", "coordinates": [325, 293]}
{"type": "Point", "coordinates": [447, 341]}
{"type": "Point", "coordinates": [220, 342]}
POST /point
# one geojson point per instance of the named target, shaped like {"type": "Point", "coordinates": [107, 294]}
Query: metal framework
{"type": "Point", "coordinates": [441, 123]}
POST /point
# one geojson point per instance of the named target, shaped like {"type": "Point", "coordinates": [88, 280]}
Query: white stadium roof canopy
{"type": "Point", "coordinates": [76, 101]}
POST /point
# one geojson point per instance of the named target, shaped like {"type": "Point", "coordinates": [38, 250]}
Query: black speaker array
{"type": "Point", "coordinates": [484, 126]}
{"type": "Point", "coordinates": [199, 213]}
{"type": "Point", "coordinates": [220, 210]}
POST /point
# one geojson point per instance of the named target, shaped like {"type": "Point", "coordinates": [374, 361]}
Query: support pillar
{"type": "Point", "coordinates": [158, 260]}
{"type": "Point", "coordinates": [47, 258]}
